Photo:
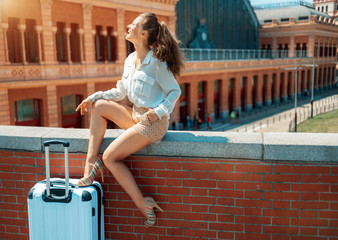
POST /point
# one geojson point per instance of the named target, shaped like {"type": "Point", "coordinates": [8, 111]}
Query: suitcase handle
{"type": "Point", "coordinates": [65, 145]}
{"type": "Point", "coordinates": [50, 142]}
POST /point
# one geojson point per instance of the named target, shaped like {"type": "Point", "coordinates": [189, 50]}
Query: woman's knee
{"type": "Point", "coordinates": [109, 157]}
{"type": "Point", "coordinates": [98, 105]}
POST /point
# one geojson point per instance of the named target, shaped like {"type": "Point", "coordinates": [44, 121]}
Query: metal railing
{"type": "Point", "coordinates": [199, 54]}
{"type": "Point", "coordinates": [321, 106]}
{"type": "Point", "coordinates": [286, 118]}
{"type": "Point", "coordinates": [283, 3]}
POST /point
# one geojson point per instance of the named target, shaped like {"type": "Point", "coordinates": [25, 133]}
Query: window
{"type": "Point", "coordinates": [303, 18]}
{"type": "Point", "coordinates": [99, 45]}
{"type": "Point", "coordinates": [31, 43]}
{"type": "Point", "coordinates": [111, 45]}
{"type": "Point", "coordinates": [304, 50]}
{"type": "Point", "coordinates": [268, 21]}
{"type": "Point", "coordinates": [70, 118]}
{"type": "Point", "coordinates": [27, 112]}
{"type": "Point", "coordinates": [322, 8]}
{"type": "Point", "coordinates": [285, 20]}
{"type": "Point", "coordinates": [13, 40]}
{"type": "Point", "coordinates": [298, 50]}
{"type": "Point", "coordinates": [74, 43]}
{"type": "Point", "coordinates": [327, 8]}
{"type": "Point", "coordinates": [318, 8]}
{"type": "Point", "coordinates": [61, 42]}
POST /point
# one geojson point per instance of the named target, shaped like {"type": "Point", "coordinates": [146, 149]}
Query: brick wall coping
{"type": "Point", "coordinates": [305, 147]}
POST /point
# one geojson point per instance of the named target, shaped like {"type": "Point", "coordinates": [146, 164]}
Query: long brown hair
{"type": "Point", "coordinates": [164, 43]}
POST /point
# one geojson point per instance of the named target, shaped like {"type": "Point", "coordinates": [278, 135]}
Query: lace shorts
{"type": "Point", "coordinates": [155, 131]}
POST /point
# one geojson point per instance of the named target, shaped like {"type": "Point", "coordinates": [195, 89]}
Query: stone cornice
{"type": "Point", "coordinates": [287, 147]}
{"type": "Point", "coordinates": [163, 7]}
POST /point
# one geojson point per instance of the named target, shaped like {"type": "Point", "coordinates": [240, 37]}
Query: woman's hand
{"type": "Point", "coordinates": [152, 116]}
{"type": "Point", "coordinates": [86, 104]}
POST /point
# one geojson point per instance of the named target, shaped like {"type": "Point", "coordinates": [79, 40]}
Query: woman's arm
{"type": "Point", "coordinates": [168, 83]}
{"type": "Point", "coordinates": [115, 94]}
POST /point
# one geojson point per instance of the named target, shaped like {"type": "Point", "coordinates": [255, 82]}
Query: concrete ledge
{"type": "Point", "coordinates": [308, 147]}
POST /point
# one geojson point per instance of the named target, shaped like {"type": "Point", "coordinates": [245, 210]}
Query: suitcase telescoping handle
{"type": "Point", "coordinates": [66, 146]}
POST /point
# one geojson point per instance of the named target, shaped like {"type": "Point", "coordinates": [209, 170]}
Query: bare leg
{"type": "Point", "coordinates": [126, 144]}
{"type": "Point", "coordinates": [101, 111]}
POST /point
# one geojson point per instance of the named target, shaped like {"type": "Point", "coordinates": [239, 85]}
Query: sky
{"type": "Point", "coordinates": [274, 1]}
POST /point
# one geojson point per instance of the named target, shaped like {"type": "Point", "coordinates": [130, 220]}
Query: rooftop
{"type": "Point", "coordinates": [285, 13]}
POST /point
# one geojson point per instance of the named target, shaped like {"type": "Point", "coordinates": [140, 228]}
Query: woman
{"type": "Point", "coordinates": [149, 83]}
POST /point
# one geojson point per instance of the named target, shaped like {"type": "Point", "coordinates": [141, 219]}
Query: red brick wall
{"type": "Point", "coordinates": [202, 198]}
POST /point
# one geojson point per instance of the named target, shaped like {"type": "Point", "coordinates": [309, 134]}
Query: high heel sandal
{"type": "Point", "coordinates": [87, 181]}
{"type": "Point", "coordinates": [150, 204]}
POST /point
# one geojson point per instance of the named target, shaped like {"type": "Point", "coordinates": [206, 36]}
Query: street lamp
{"type": "Point", "coordinates": [313, 79]}
{"type": "Point", "coordinates": [296, 75]}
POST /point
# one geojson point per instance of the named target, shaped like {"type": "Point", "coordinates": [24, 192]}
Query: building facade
{"type": "Point", "coordinates": [329, 7]}
{"type": "Point", "coordinates": [54, 53]}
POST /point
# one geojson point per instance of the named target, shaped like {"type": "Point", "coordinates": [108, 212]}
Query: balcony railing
{"type": "Point", "coordinates": [199, 54]}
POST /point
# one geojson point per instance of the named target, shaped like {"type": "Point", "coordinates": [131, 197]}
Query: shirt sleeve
{"type": "Point", "coordinates": [168, 83]}
{"type": "Point", "coordinates": [115, 94]}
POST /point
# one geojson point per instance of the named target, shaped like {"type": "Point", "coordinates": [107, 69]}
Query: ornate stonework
{"type": "Point", "coordinates": [87, 8]}
{"type": "Point", "coordinates": [46, 4]}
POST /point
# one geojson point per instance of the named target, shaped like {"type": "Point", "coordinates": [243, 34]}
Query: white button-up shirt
{"type": "Point", "coordinates": [150, 85]}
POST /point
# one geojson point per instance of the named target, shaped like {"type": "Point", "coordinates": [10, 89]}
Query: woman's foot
{"type": "Point", "coordinates": [151, 217]}
{"type": "Point", "coordinates": [86, 181]}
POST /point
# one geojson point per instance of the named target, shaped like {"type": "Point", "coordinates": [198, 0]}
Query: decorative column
{"type": "Point", "coordinates": [55, 50]}
{"type": "Point", "coordinates": [93, 38]}
{"type": "Point", "coordinates": [268, 90]}
{"type": "Point", "coordinates": [52, 105]}
{"type": "Point", "coordinates": [299, 83]}
{"type": "Point", "coordinates": [277, 92]}
{"type": "Point", "coordinates": [210, 99]}
{"type": "Point", "coordinates": [22, 29]}
{"type": "Point", "coordinates": [311, 46]}
{"type": "Point", "coordinates": [329, 77]}
{"type": "Point", "coordinates": [38, 30]}
{"type": "Point", "coordinates": [4, 58]}
{"type": "Point", "coordinates": [292, 46]}
{"type": "Point", "coordinates": [224, 111]}
{"type": "Point", "coordinates": [48, 43]}
{"type": "Point", "coordinates": [284, 86]}
{"type": "Point", "coordinates": [292, 85]}
{"type": "Point", "coordinates": [67, 32]}
{"type": "Point", "coordinates": [81, 32]}
{"type": "Point", "coordinates": [237, 93]}
{"type": "Point", "coordinates": [121, 41]}
{"type": "Point", "coordinates": [325, 75]}
{"type": "Point", "coordinates": [259, 94]}
{"type": "Point", "coordinates": [89, 45]}
{"type": "Point", "coordinates": [305, 82]}
{"type": "Point", "coordinates": [248, 93]}
{"type": "Point", "coordinates": [193, 98]}
{"type": "Point", "coordinates": [4, 108]}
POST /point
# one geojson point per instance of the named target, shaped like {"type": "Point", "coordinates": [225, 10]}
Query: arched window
{"type": "Point", "coordinates": [13, 40]}
{"type": "Point", "coordinates": [99, 44]}
{"type": "Point", "coordinates": [74, 43]}
{"type": "Point", "coordinates": [111, 45]}
{"type": "Point", "coordinates": [61, 42]}
{"type": "Point", "coordinates": [31, 43]}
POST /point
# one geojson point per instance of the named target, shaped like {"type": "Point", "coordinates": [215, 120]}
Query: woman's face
{"type": "Point", "coordinates": [135, 31]}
